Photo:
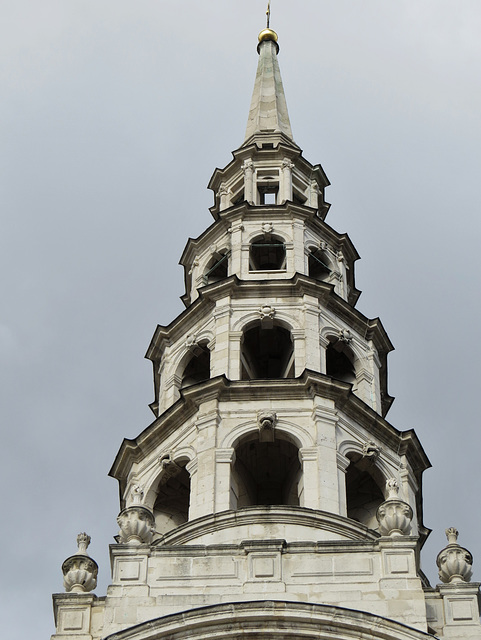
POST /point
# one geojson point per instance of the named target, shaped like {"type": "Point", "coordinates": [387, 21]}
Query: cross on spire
{"type": "Point", "coordinates": [268, 14]}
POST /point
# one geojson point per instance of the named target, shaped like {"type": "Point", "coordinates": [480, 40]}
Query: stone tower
{"type": "Point", "coordinates": [270, 497]}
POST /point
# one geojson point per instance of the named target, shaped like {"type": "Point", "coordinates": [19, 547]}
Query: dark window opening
{"type": "Point", "coordinates": [268, 145]}
{"type": "Point", "coordinates": [171, 507]}
{"type": "Point", "coordinates": [339, 362]}
{"type": "Point", "coordinates": [266, 473]}
{"type": "Point", "coordinates": [198, 367]}
{"type": "Point", "coordinates": [362, 492]}
{"type": "Point", "coordinates": [217, 269]}
{"type": "Point", "coordinates": [318, 265]}
{"type": "Point", "coordinates": [268, 194]}
{"type": "Point", "coordinates": [267, 353]}
{"type": "Point", "coordinates": [267, 255]}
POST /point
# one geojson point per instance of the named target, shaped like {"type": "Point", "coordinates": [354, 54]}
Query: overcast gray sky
{"type": "Point", "coordinates": [113, 116]}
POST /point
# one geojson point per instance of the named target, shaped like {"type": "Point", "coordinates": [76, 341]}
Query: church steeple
{"type": "Point", "coordinates": [270, 470]}
{"type": "Point", "coordinates": [268, 111]}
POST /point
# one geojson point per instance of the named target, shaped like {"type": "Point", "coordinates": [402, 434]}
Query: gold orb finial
{"type": "Point", "coordinates": [268, 34]}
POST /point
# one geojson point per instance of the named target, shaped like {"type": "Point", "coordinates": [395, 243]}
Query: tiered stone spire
{"type": "Point", "coordinates": [270, 483]}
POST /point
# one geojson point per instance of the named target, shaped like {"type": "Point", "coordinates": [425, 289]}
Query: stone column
{"type": "Point", "coordinates": [324, 343]}
{"type": "Point", "coordinates": [374, 365]}
{"type": "Point", "coordinates": [287, 166]}
{"type": "Point", "coordinates": [313, 200]}
{"type": "Point", "coordinates": [311, 324]}
{"type": "Point", "coordinates": [326, 421]}
{"type": "Point", "coordinates": [207, 423]}
{"type": "Point", "coordinates": [235, 232]}
{"type": "Point", "coordinates": [342, 464]}
{"type": "Point", "coordinates": [299, 340]}
{"type": "Point", "coordinates": [248, 168]}
{"type": "Point", "coordinates": [341, 277]}
{"type": "Point", "coordinates": [296, 260]}
{"type": "Point", "coordinates": [309, 457]}
{"type": "Point", "coordinates": [220, 355]}
{"type": "Point", "coordinates": [364, 387]}
{"type": "Point", "coordinates": [224, 459]}
{"type": "Point", "coordinates": [235, 339]}
{"type": "Point", "coordinates": [191, 468]}
{"type": "Point", "coordinates": [224, 197]}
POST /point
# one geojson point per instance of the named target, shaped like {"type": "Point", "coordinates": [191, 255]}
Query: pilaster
{"type": "Point", "coordinates": [325, 420]}
{"type": "Point", "coordinates": [461, 610]}
{"type": "Point", "coordinates": [72, 612]}
{"type": "Point", "coordinates": [311, 327]}
{"type": "Point", "coordinates": [224, 459]}
{"type": "Point", "coordinates": [309, 458]}
{"type": "Point", "coordinates": [220, 357]}
{"type": "Point", "coordinates": [202, 502]}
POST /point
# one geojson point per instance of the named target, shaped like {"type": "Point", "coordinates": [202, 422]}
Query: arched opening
{"type": "Point", "coordinates": [267, 353]}
{"type": "Point", "coordinates": [217, 268]}
{"type": "Point", "coordinates": [267, 254]}
{"type": "Point", "coordinates": [198, 366]}
{"type": "Point", "coordinates": [363, 493]}
{"type": "Point", "coordinates": [340, 361]}
{"type": "Point", "coordinates": [171, 507]}
{"type": "Point", "coordinates": [318, 265]}
{"type": "Point", "coordinates": [266, 473]}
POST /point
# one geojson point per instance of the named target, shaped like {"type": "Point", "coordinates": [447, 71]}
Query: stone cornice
{"type": "Point", "coordinates": [371, 329]}
{"type": "Point", "coordinates": [228, 216]}
{"type": "Point", "coordinates": [298, 516]}
{"type": "Point", "coordinates": [309, 384]}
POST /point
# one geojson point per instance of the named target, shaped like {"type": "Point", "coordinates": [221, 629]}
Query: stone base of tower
{"type": "Point", "coordinates": [369, 586]}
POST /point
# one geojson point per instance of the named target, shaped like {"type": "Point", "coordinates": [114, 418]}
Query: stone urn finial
{"type": "Point", "coordinates": [80, 571]}
{"type": "Point", "coordinates": [394, 515]}
{"type": "Point", "coordinates": [454, 562]}
{"type": "Point", "coordinates": [137, 521]}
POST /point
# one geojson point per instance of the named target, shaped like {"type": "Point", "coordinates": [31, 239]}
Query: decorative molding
{"type": "Point", "coordinates": [266, 423]}
{"type": "Point", "coordinates": [267, 314]}
{"type": "Point", "coordinates": [342, 462]}
{"type": "Point", "coordinates": [225, 455]}
{"type": "Point", "coordinates": [371, 450]}
{"type": "Point", "coordinates": [168, 468]}
{"type": "Point", "coordinates": [308, 454]}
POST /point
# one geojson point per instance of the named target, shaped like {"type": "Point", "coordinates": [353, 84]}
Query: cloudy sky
{"type": "Point", "coordinates": [113, 116]}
